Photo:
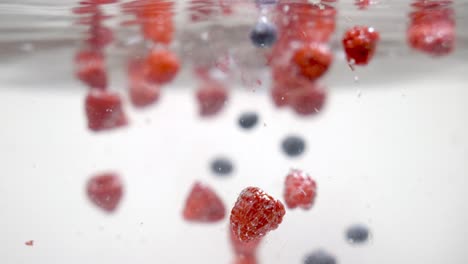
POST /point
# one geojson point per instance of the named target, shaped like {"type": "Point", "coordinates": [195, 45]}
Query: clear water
{"type": "Point", "coordinates": [388, 151]}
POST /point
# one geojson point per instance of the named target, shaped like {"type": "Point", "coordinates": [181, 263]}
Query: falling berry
{"type": "Point", "coordinates": [245, 259]}
{"type": "Point", "coordinates": [319, 257]}
{"type": "Point", "coordinates": [90, 68]}
{"type": "Point", "coordinates": [203, 205]}
{"type": "Point", "coordinates": [162, 66]}
{"type": "Point", "coordinates": [360, 43]}
{"type": "Point", "coordinates": [105, 191]}
{"type": "Point", "coordinates": [299, 190]}
{"type": "Point", "coordinates": [434, 37]}
{"type": "Point", "coordinates": [222, 166]}
{"type": "Point", "coordinates": [104, 110]}
{"type": "Point", "coordinates": [254, 214]}
{"type": "Point", "coordinates": [264, 34]}
{"type": "Point", "coordinates": [211, 98]}
{"type": "Point", "coordinates": [248, 120]}
{"type": "Point", "coordinates": [293, 146]}
{"type": "Point", "coordinates": [312, 60]}
{"type": "Point", "coordinates": [244, 248]}
{"type": "Point", "coordinates": [142, 93]}
{"type": "Point", "coordinates": [29, 243]}
{"type": "Point", "coordinates": [357, 234]}
{"type": "Point", "coordinates": [308, 100]}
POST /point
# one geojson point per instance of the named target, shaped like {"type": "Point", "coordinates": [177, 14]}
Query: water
{"type": "Point", "coordinates": [388, 150]}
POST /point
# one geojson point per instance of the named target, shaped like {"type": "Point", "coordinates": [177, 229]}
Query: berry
{"type": "Point", "coordinates": [436, 38]}
{"type": "Point", "coordinates": [357, 234]}
{"type": "Point", "coordinates": [308, 100]}
{"type": "Point", "coordinates": [264, 34]}
{"type": "Point", "coordinates": [90, 68]}
{"type": "Point", "coordinates": [104, 110]}
{"type": "Point", "coordinates": [99, 36]}
{"type": "Point", "coordinates": [203, 205]}
{"type": "Point", "coordinates": [248, 120]}
{"type": "Point", "coordinates": [312, 60]}
{"type": "Point", "coordinates": [161, 66]}
{"type": "Point", "coordinates": [244, 248]}
{"type": "Point", "coordinates": [222, 166]}
{"type": "Point", "coordinates": [362, 4]}
{"type": "Point", "coordinates": [280, 96]}
{"type": "Point", "coordinates": [29, 243]}
{"type": "Point", "coordinates": [293, 146]}
{"type": "Point", "coordinates": [319, 257]}
{"type": "Point", "coordinates": [254, 214]}
{"type": "Point", "coordinates": [360, 43]}
{"type": "Point", "coordinates": [142, 93]}
{"type": "Point", "coordinates": [245, 259]}
{"type": "Point", "coordinates": [299, 190]}
{"type": "Point", "coordinates": [211, 98]}
{"type": "Point", "coordinates": [105, 191]}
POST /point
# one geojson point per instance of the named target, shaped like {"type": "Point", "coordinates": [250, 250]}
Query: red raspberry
{"type": "Point", "coordinates": [280, 96]}
{"type": "Point", "coordinates": [105, 191]}
{"type": "Point", "coordinates": [360, 43]}
{"type": "Point", "coordinates": [211, 98]}
{"type": "Point", "coordinates": [159, 29]}
{"type": "Point", "coordinates": [99, 36]}
{"type": "Point", "coordinates": [255, 214]}
{"type": "Point", "coordinates": [162, 66]}
{"type": "Point", "coordinates": [142, 93]}
{"type": "Point", "coordinates": [203, 205]}
{"type": "Point", "coordinates": [29, 243]}
{"type": "Point", "coordinates": [104, 110]}
{"type": "Point", "coordinates": [307, 100]}
{"type": "Point", "coordinates": [90, 68]}
{"type": "Point", "coordinates": [312, 60]}
{"type": "Point", "coordinates": [299, 190]}
{"type": "Point", "coordinates": [362, 4]}
{"type": "Point", "coordinates": [243, 248]}
{"type": "Point", "coordinates": [245, 259]}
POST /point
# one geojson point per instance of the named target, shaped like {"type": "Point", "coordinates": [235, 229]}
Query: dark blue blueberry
{"type": "Point", "coordinates": [264, 34]}
{"type": "Point", "coordinates": [266, 2]}
{"type": "Point", "coordinates": [248, 120]}
{"type": "Point", "coordinates": [357, 234]}
{"type": "Point", "coordinates": [221, 166]}
{"type": "Point", "coordinates": [319, 257]}
{"type": "Point", "coordinates": [293, 146]}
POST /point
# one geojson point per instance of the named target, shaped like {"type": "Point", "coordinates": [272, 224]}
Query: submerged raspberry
{"type": "Point", "coordinates": [142, 93]}
{"type": "Point", "coordinates": [299, 190]}
{"type": "Point", "coordinates": [211, 98]}
{"type": "Point", "coordinates": [308, 100]}
{"type": "Point", "coordinates": [245, 259]}
{"type": "Point", "coordinates": [360, 43]}
{"type": "Point", "coordinates": [104, 110]}
{"type": "Point", "coordinates": [105, 191]}
{"type": "Point", "coordinates": [90, 68]}
{"type": "Point", "coordinates": [162, 66]}
{"type": "Point", "coordinates": [203, 205]}
{"type": "Point", "coordinates": [312, 60]}
{"type": "Point", "coordinates": [255, 214]}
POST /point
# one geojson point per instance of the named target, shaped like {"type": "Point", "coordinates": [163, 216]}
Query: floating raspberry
{"type": "Point", "coordinates": [105, 191]}
{"type": "Point", "coordinates": [312, 60]}
{"type": "Point", "coordinates": [104, 110]}
{"type": "Point", "coordinates": [244, 248]}
{"type": "Point", "coordinates": [90, 68]}
{"type": "Point", "coordinates": [308, 100]}
{"type": "Point", "coordinates": [299, 190]}
{"type": "Point", "coordinates": [255, 214]}
{"type": "Point", "coordinates": [360, 43]}
{"type": "Point", "coordinates": [211, 98]}
{"type": "Point", "coordinates": [162, 66]}
{"type": "Point", "coordinates": [203, 205]}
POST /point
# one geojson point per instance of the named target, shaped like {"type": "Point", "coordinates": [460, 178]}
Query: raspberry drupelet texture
{"type": "Point", "coordinates": [254, 214]}
{"type": "Point", "coordinates": [299, 190]}
{"type": "Point", "coordinates": [360, 43]}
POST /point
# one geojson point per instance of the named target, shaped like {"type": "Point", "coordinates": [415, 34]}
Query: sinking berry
{"type": "Point", "coordinates": [435, 38]}
{"type": "Point", "coordinates": [105, 191]}
{"type": "Point", "coordinates": [319, 257]}
{"type": "Point", "coordinates": [90, 68]}
{"type": "Point", "coordinates": [203, 205]}
{"type": "Point", "coordinates": [293, 146]}
{"type": "Point", "coordinates": [254, 214]}
{"type": "Point", "coordinates": [264, 34]}
{"type": "Point", "coordinates": [300, 190]}
{"type": "Point", "coordinates": [245, 259]}
{"type": "Point", "coordinates": [29, 243]}
{"type": "Point", "coordinates": [142, 93]}
{"type": "Point", "coordinates": [211, 98]}
{"type": "Point", "coordinates": [312, 60]}
{"type": "Point", "coordinates": [360, 43]}
{"type": "Point", "coordinates": [161, 66]}
{"type": "Point", "coordinates": [248, 120]}
{"type": "Point", "coordinates": [222, 166]}
{"type": "Point", "coordinates": [308, 100]}
{"type": "Point", "coordinates": [243, 248]}
{"type": "Point", "coordinates": [357, 234]}
{"type": "Point", "coordinates": [104, 110]}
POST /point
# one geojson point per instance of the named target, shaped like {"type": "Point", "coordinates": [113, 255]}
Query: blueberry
{"type": "Point", "coordinates": [266, 2]}
{"type": "Point", "coordinates": [357, 234]}
{"type": "Point", "coordinates": [248, 120]}
{"type": "Point", "coordinates": [293, 146]}
{"type": "Point", "coordinates": [222, 166]}
{"type": "Point", "coordinates": [264, 34]}
{"type": "Point", "coordinates": [319, 257]}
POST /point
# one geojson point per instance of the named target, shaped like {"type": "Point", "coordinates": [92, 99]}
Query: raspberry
{"type": "Point", "coordinates": [244, 248]}
{"type": "Point", "coordinates": [254, 214]}
{"type": "Point", "coordinates": [161, 66]}
{"type": "Point", "coordinates": [29, 243]}
{"type": "Point", "coordinates": [308, 100]}
{"type": "Point", "coordinates": [245, 259]}
{"type": "Point", "coordinates": [104, 110]}
{"type": "Point", "coordinates": [99, 36]}
{"type": "Point", "coordinates": [142, 93]}
{"type": "Point", "coordinates": [90, 68]}
{"type": "Point", "coordinates": [105, 191]}
{"type": "Point", "coordinates": [299, 190]}
{"type": "Point", "coordinates": [313, 60]}
{"type": "Point", "coordinates": [211, 98]}
{"type": "Point", "coordinates": [360, 43]}
{"type": "Point", "coordinates": [203, 205]}
{"type": "Point", "coordinates": [280, 96]}
{"type": "Point", "coordinates": [435, 37]}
